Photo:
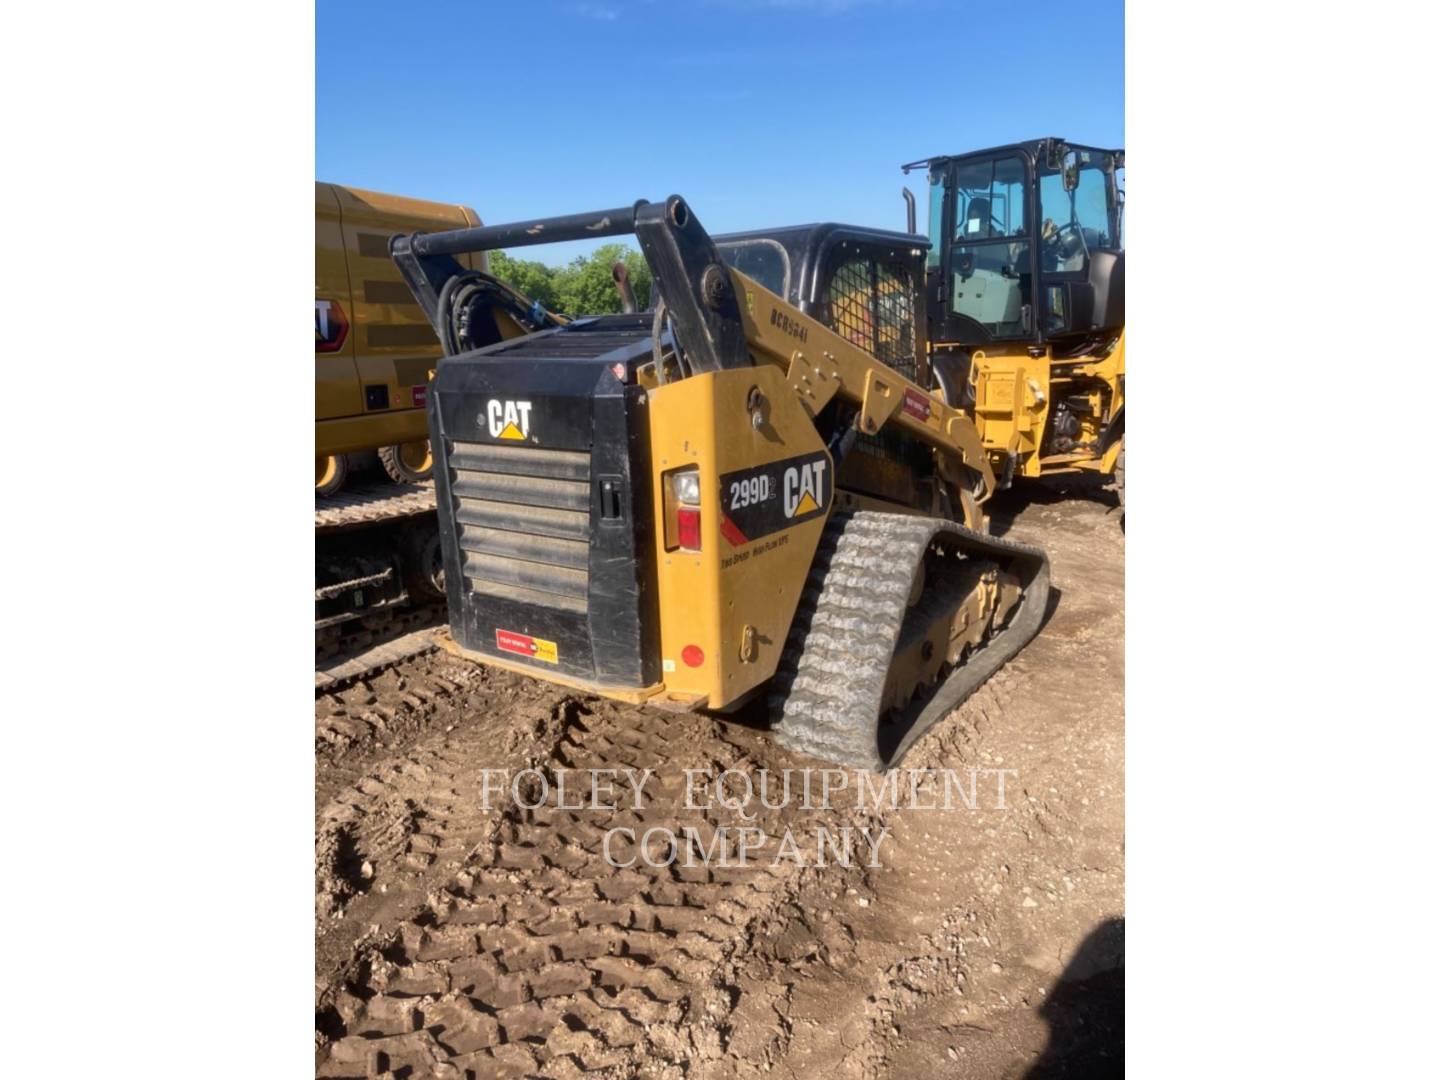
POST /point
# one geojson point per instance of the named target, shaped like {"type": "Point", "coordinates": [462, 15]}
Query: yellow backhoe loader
{"type": "Point", "coordinates": [1026, 303]}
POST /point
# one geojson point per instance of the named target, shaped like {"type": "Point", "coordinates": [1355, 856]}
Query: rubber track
{"type": "Point", "coordinates": [338, 673]}
{"type": "Point", "coordinates": [826, 694]}
{"type": "Point", "coordinates": [370, 503]}
{"type": "Point", "coordinates": [340, 642]}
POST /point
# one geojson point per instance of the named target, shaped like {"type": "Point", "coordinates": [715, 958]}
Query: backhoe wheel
{"type": "Point", "coordinates": [408, 463]}
{"type": "Point", "coordinates": [330, 473]}
{"type": "Point", "coordinates": [1120, 474]}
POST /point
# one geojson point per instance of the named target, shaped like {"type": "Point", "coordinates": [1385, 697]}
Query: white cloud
{"type": "Point", "coordinates": [602, 12]}
{"type": "Point", "coordinates": [822, 7]}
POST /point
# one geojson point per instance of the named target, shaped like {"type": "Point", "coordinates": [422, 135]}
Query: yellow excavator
{"type": "Point", "coordinates": [741, 493]}
{"type": "Point", "coordinates": [373, 348]}
{"type": "Point", "coordinates": [1025, 292]}
{"type": "Point", "coordinates": [377, 561]}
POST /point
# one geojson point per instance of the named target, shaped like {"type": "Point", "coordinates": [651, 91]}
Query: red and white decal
{"type": "Point", "coordinates": [417, 396]}
{"type": "Point", "coordinates": [331, 326]}
{"type": "Point", "coordinates": [917, 404]}
{"type": "Point", "coordinates": [525, 645]}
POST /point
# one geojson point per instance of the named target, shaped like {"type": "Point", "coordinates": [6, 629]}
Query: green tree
{"type": "Point", "coordinates": [534, 279]}
{"type": "Point", "coordinates": [583, 287]}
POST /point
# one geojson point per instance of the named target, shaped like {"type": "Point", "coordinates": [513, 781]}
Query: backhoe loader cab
{"type": "Point", "coordinates": [1025, 283]}
{"type": "Point", "coordinates": [1025, 243]}
{"type": "Point", "coordinates": [724, 497]}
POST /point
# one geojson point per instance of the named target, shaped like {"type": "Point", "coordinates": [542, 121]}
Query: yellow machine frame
{"type": "Point", "coordinates": [1014, 393]}
{"type": "Point", "coordinates": [369, 391]}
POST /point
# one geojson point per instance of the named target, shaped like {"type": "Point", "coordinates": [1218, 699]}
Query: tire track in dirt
{"type": "Point", "coordinates": [540, 957]}
{"type": "Point", "coordinates": [964, 937]}
{"type": "Point", "coordinates": [522, 952]}
{"type": "Point", "coordinates": [396, 818]}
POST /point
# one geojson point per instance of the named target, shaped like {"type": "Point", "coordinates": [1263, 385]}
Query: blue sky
{"type": "Point", "coordinates": [759, 112]}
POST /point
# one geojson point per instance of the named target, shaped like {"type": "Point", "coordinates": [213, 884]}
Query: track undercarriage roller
{"type": "Point", "coordinates": [872, 660]}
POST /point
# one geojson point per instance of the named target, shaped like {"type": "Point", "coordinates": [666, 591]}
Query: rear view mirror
{"type": "Point", "coordinates": [1071, 170]}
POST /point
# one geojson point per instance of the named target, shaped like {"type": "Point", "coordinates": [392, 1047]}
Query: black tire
{"type": "Point", "coordinates": [423, 565]}
{"type": "Point", "coordinates": [392, 460]}
{"type": "Point", "coordinates": [330, 474]}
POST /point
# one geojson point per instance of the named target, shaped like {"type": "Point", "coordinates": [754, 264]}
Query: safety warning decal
{"type": "Point", "coordinates": [525, 645]}
{"type": "Point", "coordinates": [917, 404]}
{"type": "Point", "coordinates": [767, 498]}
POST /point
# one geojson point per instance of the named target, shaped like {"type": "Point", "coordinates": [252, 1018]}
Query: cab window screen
{"type": "Point", "coordinates": [872, 303]}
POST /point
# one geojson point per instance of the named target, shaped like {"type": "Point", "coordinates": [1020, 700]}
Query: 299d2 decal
{"type": "Point", "coordinates": [767, 498]}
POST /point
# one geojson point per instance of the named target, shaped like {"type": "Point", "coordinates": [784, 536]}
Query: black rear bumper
{"type": "Point", "coordinates": [543, 491]}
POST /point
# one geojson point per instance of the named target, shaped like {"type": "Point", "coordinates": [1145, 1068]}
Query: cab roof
{"type": "Point", "coordinates": [1033, 148]}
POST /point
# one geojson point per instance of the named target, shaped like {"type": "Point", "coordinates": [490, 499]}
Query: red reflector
{"type": "Point", "coordinates": [693, 655]}
{"type": "Point", "coordinates": [687, 527]}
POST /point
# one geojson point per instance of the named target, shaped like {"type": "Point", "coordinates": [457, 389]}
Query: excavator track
{"type": "Point", "coordinates": [370, 571]}
{"type": "Point", "coordinates": [830, 693]}
{"type": "Point", "coordinates": [370, 503]}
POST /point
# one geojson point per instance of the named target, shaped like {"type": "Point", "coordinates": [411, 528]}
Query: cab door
{"type": "Point", "coordinates": [337, 382]}
{"type": "Point", "coordinates": [986, 291]}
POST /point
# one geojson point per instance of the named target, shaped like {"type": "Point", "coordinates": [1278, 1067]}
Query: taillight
{"type": "Point", "coordinates": [687, 527]}
{"type": "Point", "coordinates": [682, 510]}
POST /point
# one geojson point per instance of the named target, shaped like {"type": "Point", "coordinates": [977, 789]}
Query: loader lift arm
{"type": "Point", "coordinates": [716, 331]}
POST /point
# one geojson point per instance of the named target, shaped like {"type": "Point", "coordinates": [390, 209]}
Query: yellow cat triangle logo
{"type": "Point", "coordinates": [512, 432]}
{"type": "Point", "coordinates": [806, 505]}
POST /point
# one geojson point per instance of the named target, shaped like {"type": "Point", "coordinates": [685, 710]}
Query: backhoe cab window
{"type": "Point", "coordinates": [990, 258]}
{"type": "Point", "coordinates": [1074, 223]}
{"type": "Point", "coordinates": [937, 227]}
{"type": "Point", "coordinates": [990, 199]}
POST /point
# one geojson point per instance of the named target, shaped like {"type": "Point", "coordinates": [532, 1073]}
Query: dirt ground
{"type": "Point", "coordinates": [455, 939]}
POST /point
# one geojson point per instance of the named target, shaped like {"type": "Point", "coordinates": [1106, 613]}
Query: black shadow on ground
{"type": "Point", "coordinates": [1007, 505]}
{"type": "Point", "coordinates": [1086, 1011]}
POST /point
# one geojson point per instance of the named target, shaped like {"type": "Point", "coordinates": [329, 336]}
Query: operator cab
{"type": "Point", "coordinates": [868, 286]}
{"type": "Point", "coordinates": [1025, 245]}
{"type": "Point", "coordinates": [865, 284]}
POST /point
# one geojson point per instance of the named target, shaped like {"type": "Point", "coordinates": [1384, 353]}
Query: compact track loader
{"type": "Point", "coordinates": [723, 497]}
{"type": "Point", "coordinates": [1026, 303]}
